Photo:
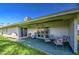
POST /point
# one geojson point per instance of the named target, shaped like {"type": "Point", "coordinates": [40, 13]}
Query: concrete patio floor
{"type": "Point", "coordinates": [49, 48]}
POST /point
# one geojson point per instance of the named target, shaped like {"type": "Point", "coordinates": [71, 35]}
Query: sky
{"type": "Point", "coordinates": [14, 13]}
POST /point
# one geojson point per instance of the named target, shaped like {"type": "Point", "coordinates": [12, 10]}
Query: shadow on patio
{"type": "Point", "coordinates": [49, 48]}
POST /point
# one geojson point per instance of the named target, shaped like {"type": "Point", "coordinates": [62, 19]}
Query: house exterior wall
{"type": "Point", "coordinates": [73, 34]}
{"type": "Point", "coordinates": [12, 32]}
{"type": "Point", "coordinates": [0, 32]}
{"type": "Point", "coordinates": [59, 30]}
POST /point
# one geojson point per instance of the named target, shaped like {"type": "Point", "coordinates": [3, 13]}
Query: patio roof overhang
{"type": "Point", "coordinates": [65, 15]}
{"type": "Point", "coordinates": [49, 19]}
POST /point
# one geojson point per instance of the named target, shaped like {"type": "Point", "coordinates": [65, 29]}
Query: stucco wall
{"type": "Point", "coordinates": [73, 34]}
{"type": "Point", "coordinates": [10, 32]}
{"type": "Point", "coordinates": [0, 32]}
{"type": "Point", "coordinates": [59, 29]}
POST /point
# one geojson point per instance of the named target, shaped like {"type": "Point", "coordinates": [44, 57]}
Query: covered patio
{"type": "Point", "coordinates": [52, 27]}
{"type": "Point", "coordinates": [49, 48]}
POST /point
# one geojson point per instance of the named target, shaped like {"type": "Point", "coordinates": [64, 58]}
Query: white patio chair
{"type": "Point", "coordinates": [47, 39]}
{"type": "Point", "coordinates": [33, 36]}
{"type": "Point", "coordinates": [29, 35]}
{"type": "Point", "coordinates": [58, 41]}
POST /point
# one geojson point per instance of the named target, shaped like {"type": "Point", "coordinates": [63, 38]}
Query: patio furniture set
{"type": "Point", "coordinates": [60, 40]}
{"type": "Point", "coordinates": [51, 38]}
{"type": "Point", "coordinates": [57, 40]}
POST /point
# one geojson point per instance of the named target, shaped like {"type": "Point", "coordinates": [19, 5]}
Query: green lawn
{"type": "Point", "coordinates": [8, 47]}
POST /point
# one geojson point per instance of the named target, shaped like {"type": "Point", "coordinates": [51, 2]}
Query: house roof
{"type": "Point", "coordinates": [37, 20]}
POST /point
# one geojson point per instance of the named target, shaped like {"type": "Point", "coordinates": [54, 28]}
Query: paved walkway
{"type": "Point", "coordinates": [49, 48]}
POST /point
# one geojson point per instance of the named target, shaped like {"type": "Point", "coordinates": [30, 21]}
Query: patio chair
{"type": "Point", "coordinates": [58, 41]}
{"type": "Point", "coordinates": [65, 38]}
{"type": "Point", "coordinates": [33, 35]}
{"type": "Point", "coordinates": [29, 35]}
{"type": "Point", "coordinates": [46, 39]}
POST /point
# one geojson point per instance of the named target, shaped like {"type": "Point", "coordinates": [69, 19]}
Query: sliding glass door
{"type": "Point", "coordinates": [23, 32]}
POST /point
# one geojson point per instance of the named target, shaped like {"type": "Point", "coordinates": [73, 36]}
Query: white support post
{"type": "Point", "coordinates": [75, 36]}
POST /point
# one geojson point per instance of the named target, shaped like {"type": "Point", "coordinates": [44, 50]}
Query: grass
{"type": "Point", "coordinates": [8, 47]}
